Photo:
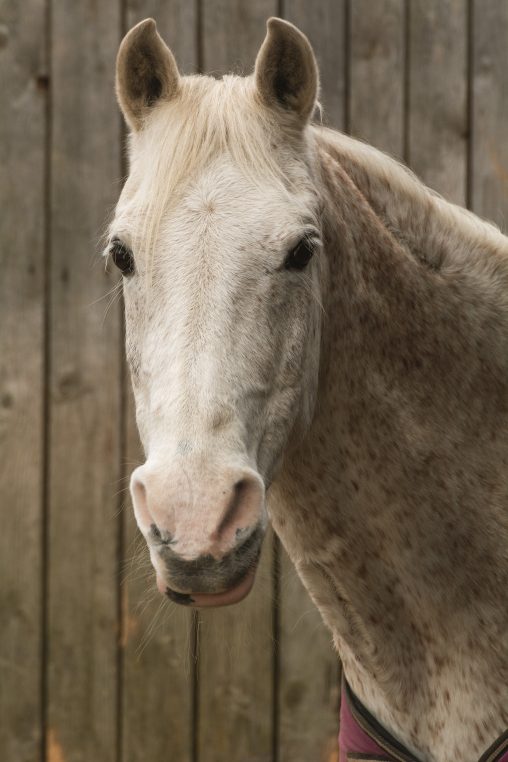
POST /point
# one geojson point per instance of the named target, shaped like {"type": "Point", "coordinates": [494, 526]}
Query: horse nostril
{"type": "Point", "coordinates": [210, 519]}
{"type": "Point", "coordinates": [160, 537]}
{"type": "Point", "coordinates": [238, 490]}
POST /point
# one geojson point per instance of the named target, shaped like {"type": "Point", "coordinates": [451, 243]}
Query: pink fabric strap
{"type": "Point", "coordinates": [361, 737]}
{"type": "Point", "coordinates": [352, 738]}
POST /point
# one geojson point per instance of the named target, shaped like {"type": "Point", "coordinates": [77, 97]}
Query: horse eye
{"type": "Point", "coordinates": [122, 257]}
{"type": "Point", "coordinates": [300, 256]}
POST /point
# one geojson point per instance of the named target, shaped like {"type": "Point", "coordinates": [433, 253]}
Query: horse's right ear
{"type": "Point", "coordinates": [146, 72]}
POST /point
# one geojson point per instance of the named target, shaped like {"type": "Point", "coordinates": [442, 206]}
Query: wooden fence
{"type": "Point", "coordinates": [93, 669]}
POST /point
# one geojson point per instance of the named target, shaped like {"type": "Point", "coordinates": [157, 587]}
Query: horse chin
{"type": "Point", "coordinates": [208, 600]}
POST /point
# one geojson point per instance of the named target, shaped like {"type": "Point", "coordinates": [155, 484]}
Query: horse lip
{"type": "Point", "coordinates": [234, 594]}
{"type": "Point", "coordinates": [184, 599]}
{"type": "Point", "coordinates": [207, 575]}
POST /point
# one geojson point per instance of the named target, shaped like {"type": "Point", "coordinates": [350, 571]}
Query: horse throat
{"type": "Point", "coordinates": [393, 509]}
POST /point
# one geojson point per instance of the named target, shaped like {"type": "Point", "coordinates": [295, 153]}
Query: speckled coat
{"type": "Point", "coordinates": [395, 508]}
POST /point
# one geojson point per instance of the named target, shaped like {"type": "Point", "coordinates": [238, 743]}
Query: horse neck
{"type": "Point", "coordinates": [393, 508]}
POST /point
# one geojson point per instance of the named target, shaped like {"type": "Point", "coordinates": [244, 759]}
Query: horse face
{"type": "Point", "coordinates": [222, 281]}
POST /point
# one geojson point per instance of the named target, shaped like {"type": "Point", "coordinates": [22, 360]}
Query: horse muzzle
{"type": "Point", "coordinates": [204, 524]}
{"type": "Point", "coordinates": [207, 581]}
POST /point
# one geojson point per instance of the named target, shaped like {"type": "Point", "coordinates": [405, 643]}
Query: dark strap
{"type": "Point", "coordinates": [374, 729]}
{"type": "Point", "coordinates": [498, 752]}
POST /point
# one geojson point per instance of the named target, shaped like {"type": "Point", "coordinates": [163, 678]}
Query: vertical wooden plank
{"type": "Point", "coordinates": [324, 22]}
{"type": "Point", "coordinates": [437, 109]}
{"type": "Point", "coordinates": [308, 667]}
{"type": "Point", "coordinates": [157, 636]}
{"type": "Point", "coordinates": [377, 58]}
{"type": "Point", "coordinates": [309, 676]}
{"type": "Point", "coordinates": [233, 31]}
{"type": "Point", "coordinates": [489, 170]}
{"type": "Point", "coordinates": [85, 389]}
{"type": "Point", "coordinates": [22, 158]}
{"type": "Point", "coordinates": [177, 23]}
{"type": "Point", "coordinates": [236, 644]}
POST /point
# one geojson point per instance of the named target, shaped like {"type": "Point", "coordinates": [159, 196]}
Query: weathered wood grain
{"type": "Point", "coordinates": [232, 33]}
{"type": "Point", "coordinates": [309, 676]}
{"type": "Point", "coordinates": [437, 107]}
{"type": "Point", "coordinates": [489, 154]}
{"type": "Point", "coordinates": [377, 58]}
{"type": "Point", "coordinates": [85, 389]}
{"type": "Point", "coordinates": [324, 22]}
{"type": "Point", "coordinates": [22, 184]}
{"type": "Point", "coordinates": [157, 637]}
{"type": "Point", "coordinates": [177, 23]}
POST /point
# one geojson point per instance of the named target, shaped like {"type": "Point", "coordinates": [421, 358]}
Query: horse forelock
{"type": "Point", "coordinates": [209, 119]}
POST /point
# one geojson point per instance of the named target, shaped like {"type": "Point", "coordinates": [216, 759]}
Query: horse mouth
{"type": "Point", "coordinates": [236, 593]}
{"type": "Point", "coordinates": [207, 582]}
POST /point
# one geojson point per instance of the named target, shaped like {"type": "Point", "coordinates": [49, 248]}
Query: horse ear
{"type": "Point", "coordinates": [146, 72]}
{"type": "Point", "coordinates": [286, 70]}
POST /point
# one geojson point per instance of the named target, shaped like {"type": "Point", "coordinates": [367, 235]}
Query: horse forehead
{"type": "Point", "coordinates": [223, 197]}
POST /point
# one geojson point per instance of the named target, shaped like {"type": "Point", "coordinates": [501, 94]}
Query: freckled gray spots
{"type": "Point", "coordinates": [242, 532]}
{"type": "Point", "coordinates": [184, 447]}
{"type": "Point", "coordinates": [397, 495]}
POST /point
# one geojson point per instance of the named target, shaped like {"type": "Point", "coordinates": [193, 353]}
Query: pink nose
{"type": "Point", "coordinates": [199, 511]}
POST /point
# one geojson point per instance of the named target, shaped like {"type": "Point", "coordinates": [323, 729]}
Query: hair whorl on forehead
{"type": "Point", "coordinates": [207, 119]}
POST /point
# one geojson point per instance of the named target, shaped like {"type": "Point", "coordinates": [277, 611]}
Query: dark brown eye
{"type": "Point", "coordinates": [300, 256]}
{"type": "Point", "coordinates": [122, 257]}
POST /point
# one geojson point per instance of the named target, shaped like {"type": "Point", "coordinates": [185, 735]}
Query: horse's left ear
{"type": "Point", "coordinates": [286, 70]}
{"type": "Point", "coordinates": [146, 72]}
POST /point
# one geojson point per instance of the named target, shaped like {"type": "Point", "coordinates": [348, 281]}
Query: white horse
{"type": "Point", "coordinates": [305, 317]}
